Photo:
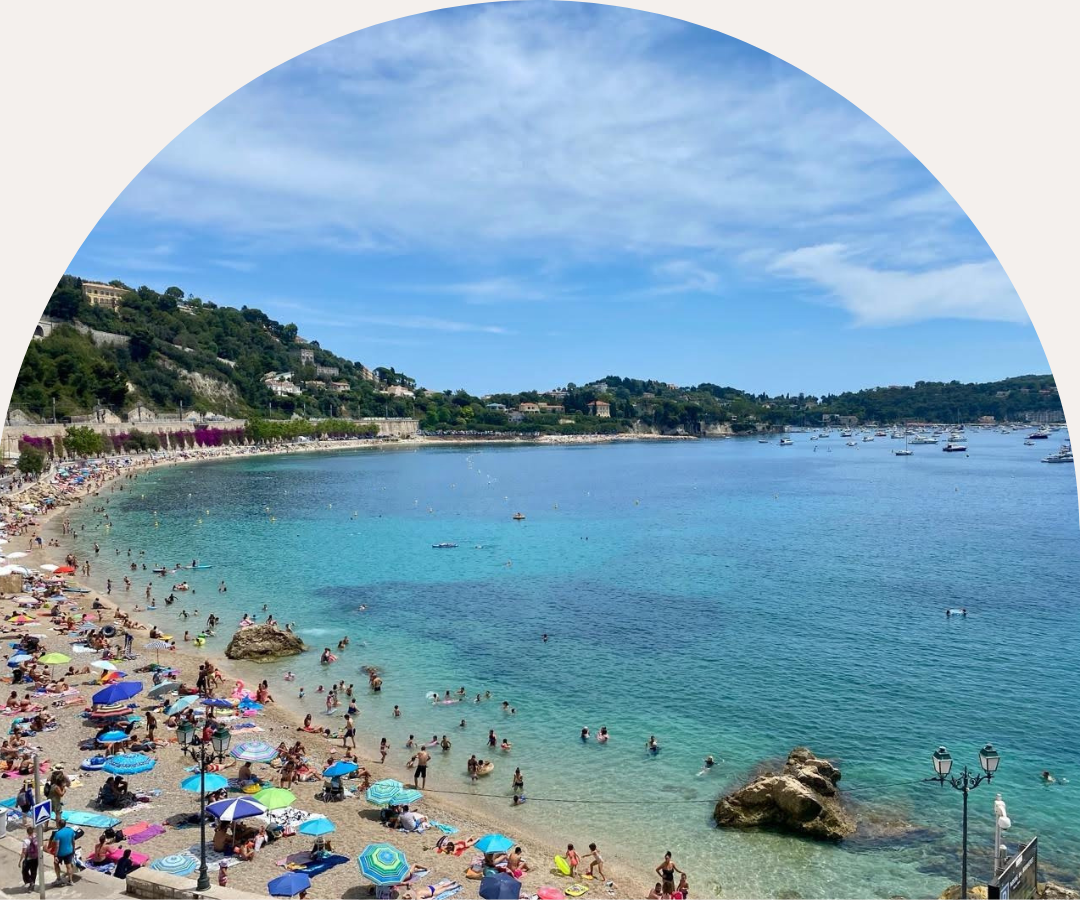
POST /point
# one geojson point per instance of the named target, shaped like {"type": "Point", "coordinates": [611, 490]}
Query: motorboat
{"type": "Point", "coordinates": [1039, 436]}
{"type": "Point", "coordinates": [1064, 455]}
{"type": "Point", "coordinates": [867, 438]}
{"type": "Point", "coordinates": [955, 448]}
{"type": "Point", "coordinates": [924, 439]}
{"type": "Point", "coordinates": [518, 517]}
{"type": "Point", "coordinates": [853, 443]}
{"type": "Point", "coordinates": [845, 433]}
{"type": "Point", "coordinates": [955, 436]}
{"type": "Point", "coordinates": [786, 442]}
{"type": "Point", "coordinates": [445, 545]}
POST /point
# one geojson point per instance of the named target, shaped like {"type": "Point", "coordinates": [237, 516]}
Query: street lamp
{"type": "Point", "coordinates": [965, 783]}
{"type": "Point", "coordinates": [219, 741]}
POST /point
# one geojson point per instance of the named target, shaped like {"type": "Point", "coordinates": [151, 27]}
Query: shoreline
{"type": "Point", "coordinates": [282, 720]}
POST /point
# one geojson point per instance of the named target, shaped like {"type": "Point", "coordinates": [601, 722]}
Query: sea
{"type": "Point", "coordinates": [730, 598]}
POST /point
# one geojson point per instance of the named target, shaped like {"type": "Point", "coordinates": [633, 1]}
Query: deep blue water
{"type": "Point", "coordinates": [729, 597]}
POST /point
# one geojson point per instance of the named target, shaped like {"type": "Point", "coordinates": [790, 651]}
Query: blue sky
{"type": "Point", "coordinates": [513, 196]}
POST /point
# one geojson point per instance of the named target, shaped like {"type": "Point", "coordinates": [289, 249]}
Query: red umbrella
{"type": "Point", "coordinates": [66, 570]}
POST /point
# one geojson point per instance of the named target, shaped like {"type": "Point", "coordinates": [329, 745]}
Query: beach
{"type": "Point", "coordinates": [357, 821]}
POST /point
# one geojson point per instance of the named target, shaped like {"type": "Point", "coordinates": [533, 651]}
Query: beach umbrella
{"type": "Point", "coordinates": [15, 570]}
{"type": "Point", "coordinates": [500, 886]}
{"type": "Point", "coordinates": [177, 864]}
{"type": "Point", "coordinates": [20, 619]}
{"type": "Point", "coordinates": [382, 792]}
{"type": "Point", "coordinates": [3, 541]}
{"type": "Point", "coordinates": [218, 703]}
{"type": "Point", "coordinates": [104, 665]}
{"type": "Point", "coordinates": [17, 554]}
{"type": "Point", "coordinates": [112, 737]}
{"type": "Point", "coordinates": [157, 646]}
{"type": "Point", "coordinates": [340, 768]}
{"type": "Point", "coordinates": [117, 693]}
{"type": "Point", "coordinates": [231, 810]}
{"type": "Point", "coordinates": [109, 711]}
{"type": "Point", "coordinates": [129, 764]}
{"type": "Point", "coordinates": [64, 570]}
{"type": "Point", "coordinates": [254, 751]}
{"type": "Point", "coordinates": [18, 659]}
{"type": "Point", "coordinates": [494, 843]}
{"type": "Point", "coordinates": [48, 567]}
{"type": "Point", "coordinates": [213, 783]}
{"type": "Point", "coordinates": [54, 659]}
{"type": "Point", "coordinates": [166, 687]}
{"type": "Point", "coordinates": [183, 703]}
{"type": "Point", "coordinates": [406, 796]}
{"type": "Point", "coordinates": [275, 798]}
{"type": "Point", "coordinates": [248, 703]}
{"type": "Point", "coordinates": [317, 827]}
{"type": "Point", "coordinates": [288, 885]}
{"type": "Point", "coordinates": [383, 864]}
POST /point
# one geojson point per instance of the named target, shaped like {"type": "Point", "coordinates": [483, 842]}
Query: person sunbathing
{"type": "Point", "coordinates": [452, 847]}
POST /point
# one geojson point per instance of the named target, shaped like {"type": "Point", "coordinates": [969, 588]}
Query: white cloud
{"type": "Point", "coordinates": [876, 296]}
{"type": "Point", "coordinates": [685, 276]}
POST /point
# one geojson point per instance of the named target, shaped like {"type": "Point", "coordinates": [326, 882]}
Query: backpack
{"type": "Point", "coordinates": [32, 849]}
{"type": "Point", "coordinates": [25, 800]}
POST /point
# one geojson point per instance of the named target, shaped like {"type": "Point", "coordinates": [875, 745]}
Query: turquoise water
{"type": "Point", "coordinates": [729, 597]}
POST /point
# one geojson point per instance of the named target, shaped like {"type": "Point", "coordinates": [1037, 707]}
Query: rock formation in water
{"type": "Point", "coordinates": [263, 642]}
{"type": "Point", "coordinates": [801, 798]}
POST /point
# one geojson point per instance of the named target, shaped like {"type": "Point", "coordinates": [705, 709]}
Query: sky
{"type": "Point", "coordinates": [517, 195]}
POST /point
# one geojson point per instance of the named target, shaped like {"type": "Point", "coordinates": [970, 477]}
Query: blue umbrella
{"type": "Point", "coordinates": [316, 827]}
{"type": "Point", "coordinates": [129, 764]}
{"type": "Point", "coordinates": [218, 703]}
{"type": "Point", "coordinates": [383, 864]}
{"type": "Point", "coordinates": [289, 885]}
{"type": "Point", "coordinates": [116, 693]}
{"type": "Point", "coordinates": [500, 887]}
{"type": "Point", "coordinates": [340, 768]}
{"type": "Point", "coordinates": [18, 659]}
{"type": "Point", "coordinates": [183, 703]}
{"type": "Point", "coordinates": [406, 796]}
{"type": "Point", "coordinates": [231, 810]}
{"type": "Point", "coordinates": [248, 703]}
{"type": "Point", "coordinates": [113, 737]}
{"type": "Point", "coordinates": [382, 792]}
{"type": "Point", "coordinates": [254, 751]}
{"type": "Point", "coordinates": [213, 783]}
{"type": "Point", "coordinates": [494, 843]}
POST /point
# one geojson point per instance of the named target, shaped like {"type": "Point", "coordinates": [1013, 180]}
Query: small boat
{"type": "Point", "coordinates": [846, 433]}
{"type": "Point", "coordinates": [518, 517]}
{"type": "Point", "coordinates": [445, 545]}
{"type": "Point", "coordinates": [904, 452]}
{"type": "Point", "coordinates": [852, 444]}
{"type": "Point", "coordinates": [955, 448]}
{"type": "Point", "coordinates": [867, 438]}
{"type": "Point", "coordinates": [1029, 443]}
{"type": "Point", "coordinates": [762, 441]}
{"type": "Point", "coordinates": [786, 442]}
{"type": "Point", "coordinates": [924, 439]}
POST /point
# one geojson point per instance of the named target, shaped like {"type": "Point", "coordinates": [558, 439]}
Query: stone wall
{"type": "Point", "coordinates": [153, 885]}
{"type": "Point", "coordinates": [101, 338]}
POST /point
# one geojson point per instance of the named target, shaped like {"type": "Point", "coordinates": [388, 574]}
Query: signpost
{"type": "Point", "coordinates": [39, 822]}
{"type": "Point", "coordinates": [1018, 878]}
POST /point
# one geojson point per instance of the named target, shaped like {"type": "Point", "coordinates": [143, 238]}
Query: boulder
{"type": "Point", "coordinates": [801, 798]}
{"type": "Point", "coordinates": [263, 642]}
{"type": "Point", "coordinates": [975, 892]}
{"type": "Point", "coordinates": [1052, 891]}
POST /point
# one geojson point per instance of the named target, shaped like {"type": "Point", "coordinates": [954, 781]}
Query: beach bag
{"type": "Point", "coordinates": [25, 800]}
{"type": "Point", "coordinates": [51, 848]}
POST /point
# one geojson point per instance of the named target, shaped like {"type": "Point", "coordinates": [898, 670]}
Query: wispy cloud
{"type": "Point", "coordinates": [876, 296]}
{"type": "Point", "coordinates": [505, 137]}
{"type": "Point", "coordinates": [312, 317]}
{"type": "Point", "coordinates": [140, 260]}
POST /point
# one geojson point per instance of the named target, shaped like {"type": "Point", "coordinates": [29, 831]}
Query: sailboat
{"type": "Point", "coordinates": [906, 451]}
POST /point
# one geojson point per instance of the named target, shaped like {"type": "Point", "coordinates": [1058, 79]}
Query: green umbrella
{"type": "Point", "coordinates": [383, 864]}
{"type": "Point", "coordinates": [275, 798]}
{"type": "Point", "coordinates": [382, 792]}
{"type": "Point", "coordinates": [54, 659]}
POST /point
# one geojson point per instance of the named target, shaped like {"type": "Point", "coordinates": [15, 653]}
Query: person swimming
{"type": "Point", "coordinates": [584, 734]}
{"type": "Point", "coordinates": [651, 746]}
{"type": "Point", "coordinates": [603, 735]}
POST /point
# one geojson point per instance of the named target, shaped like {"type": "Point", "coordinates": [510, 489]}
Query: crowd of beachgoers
{"type": "Point", "coordinates": [116, 715]}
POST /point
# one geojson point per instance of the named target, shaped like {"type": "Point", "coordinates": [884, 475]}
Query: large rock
{"type": "Point", "coordinates": [801, 799]}
{"type": "Point", "coordinates": [263, 642]}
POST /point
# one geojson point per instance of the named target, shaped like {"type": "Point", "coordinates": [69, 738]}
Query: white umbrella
{"type": "Point", "coordinates": [3, 541]}
{"type": "Point", "coordinates": [103, 664]}
{"type": "Point", "coordinates": [15, 570]}
{"type": "Point", "coordinates": [17, 554]}
{"type": "Point", "coordinates": [48, 567]}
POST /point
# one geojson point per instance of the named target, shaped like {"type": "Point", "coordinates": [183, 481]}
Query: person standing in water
{"type": "Point", "coordinates": [420, 775]}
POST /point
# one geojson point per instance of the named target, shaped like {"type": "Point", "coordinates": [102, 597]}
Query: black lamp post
{"type": "Point", "coordinates": [219, 742]}
{"type": "Point", "coordinates": [965, 783]}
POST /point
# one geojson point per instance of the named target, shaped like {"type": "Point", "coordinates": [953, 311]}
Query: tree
{"type": "Point", "coordinates": [81, 440]}
{"type": "Point", "coordinates": [31, 462]}
{"type": "Point", "coordinates": [174, 292]}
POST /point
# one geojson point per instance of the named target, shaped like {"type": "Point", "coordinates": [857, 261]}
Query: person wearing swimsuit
{"type": "Point", "coordinates": [666, 870]}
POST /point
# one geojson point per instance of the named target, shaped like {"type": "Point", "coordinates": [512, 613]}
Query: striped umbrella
{"type": "Point", "coordinates": [275, 798]}
{"type": "Point", "coordinates": [317, 827]}
{"type": "Point", "coordinates": [166, 687]}
{"type": "Point", "coordinates": [382, 792]}
{"type": "Point", "coordinates": [240, 808]}
{"type": "Point", "coordinates": [129, 764]}
{"type": "Point", "coordinates": [213, 783]}
{"type": "Point", "coordinates": [112, 737]}
{"type": "Point", "coordinates": [383, 864]}
{"type": "Point", "coordinates": [254, 751]}
{"type": "Point", "coordinates": [157, 647]}
{"type": "Point", "coordinates": [406, 796]}
{"type": "Point", "coordinates": [177, 864]}
{"type": "Point", "coordinates": [104, 665]}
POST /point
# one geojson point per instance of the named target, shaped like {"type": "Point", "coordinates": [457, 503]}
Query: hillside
{"type": "Point", "coordinates": [183, 354]}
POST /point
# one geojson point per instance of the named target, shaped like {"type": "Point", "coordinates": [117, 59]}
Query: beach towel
{"type": "Point", "coordinates": [317, 867]}
{"type": "Point", "coordinates": [148, 833]}
{"type": "Point", "coordinates": [117, 853]}
{"type": "Point", "coordinates": [213, 858]}
{"type": "Point", "coordinates": [89, 819]}
{"type": "Point", "coordinates": [105, 868]}
{"type": "Point", "coordinates": [445, 829]}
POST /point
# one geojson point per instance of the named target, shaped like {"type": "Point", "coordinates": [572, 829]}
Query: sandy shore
{"type": "Point", "coordinates": [356, 820]}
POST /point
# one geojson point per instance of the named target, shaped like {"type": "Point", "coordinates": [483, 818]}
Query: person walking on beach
{"type": "Point", "coordinates": [422, 759]}
{"type": "Point", "coordinates": [666, 870]}
{"type": "Point", "coordinates": [597, 862]}
{"type": "Point", "coordinates": [348, 738]}
{"type": "Point", "coordinates": [28, 859]}
{"type": "Point", "coordinates": [518, 787]}
{"type": "Point", "coordinates": [384, 748]}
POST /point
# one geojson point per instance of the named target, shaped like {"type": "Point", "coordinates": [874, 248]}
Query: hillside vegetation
{"type": "Point", "coordinates": [184, 354]}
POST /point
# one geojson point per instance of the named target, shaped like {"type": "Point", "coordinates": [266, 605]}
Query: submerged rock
{"type": "Point", "coordinates": [263, 642]}
{"type": "Point", "coordinates": [800, 799]}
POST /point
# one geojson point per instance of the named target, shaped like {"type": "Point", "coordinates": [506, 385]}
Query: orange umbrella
{"type": "Point", "coordinates": [66, 570]}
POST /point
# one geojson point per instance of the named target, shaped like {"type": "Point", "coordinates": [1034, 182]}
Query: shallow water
{"type": "Point", "coordinates": [729, 597]}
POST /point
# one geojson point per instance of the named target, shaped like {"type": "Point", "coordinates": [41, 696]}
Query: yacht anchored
{"type": "Point", "coordinates": [1064, 455]}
